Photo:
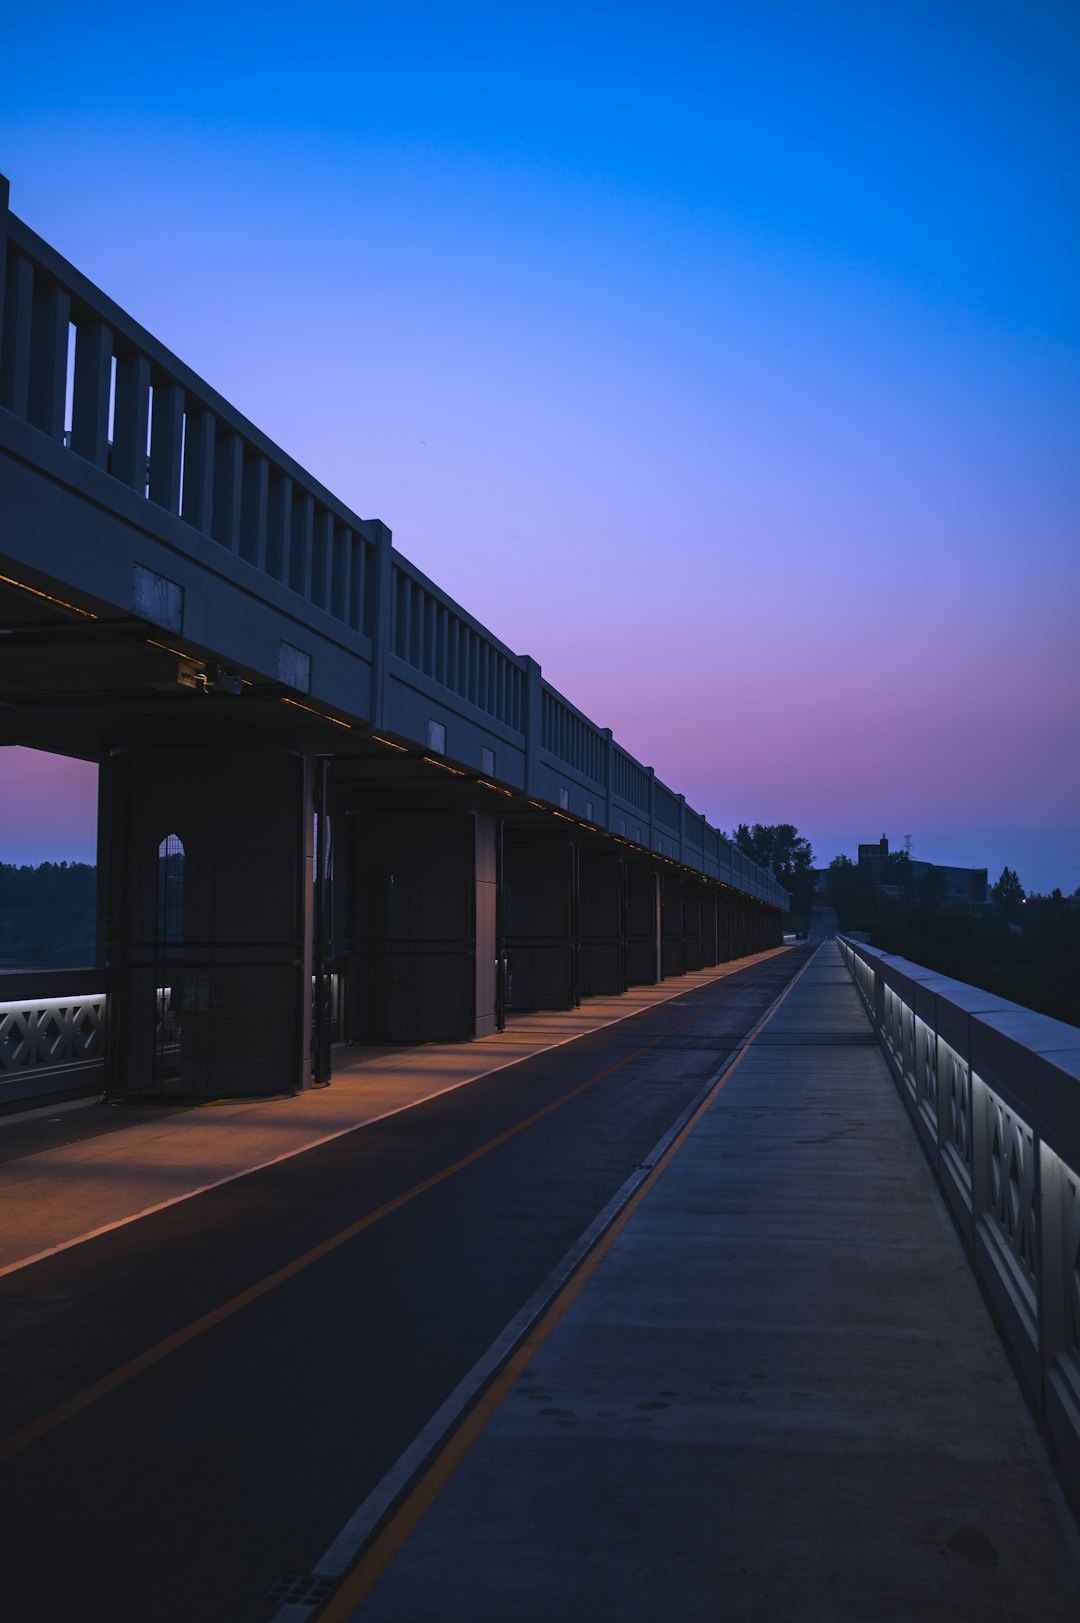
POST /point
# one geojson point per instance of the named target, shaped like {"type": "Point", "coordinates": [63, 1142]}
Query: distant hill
{"type": "Point", "coordinates": [47, 915]}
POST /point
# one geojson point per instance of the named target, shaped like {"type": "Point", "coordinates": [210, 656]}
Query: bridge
{"type": "Point", "coordinates": [735, 1296]}
{"type": "Point", "coordinates": [332, 803]}
{"type": "Point", "coordinates": [711, 1272]}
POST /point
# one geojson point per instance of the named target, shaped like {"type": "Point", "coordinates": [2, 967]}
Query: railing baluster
{"type": "Point", "coordinates": [90, 398]}
{"type": "Point", "coordinates": [228, 487]}
{"type": "Point", "coordinates": [166, 444]}
{"type": "Point", "coordinates": [131, 421]}
{"type": "Point", "coordinates": [360, 616]}
{"type": "Point", "coordinates": [341, 572]}
{"type": "Point", "coordinates": [278, 522]}
{"type": "Point", "coordinates": [303, 518]}
{"type": "Point", "coordinates": [49, 354]}
{"type": "Point", "coordinates": [200, 436]}
{"type": "Point", "coordinates": [322, 540]}
{"type": "Point", "coordinates": [18, 327]}
{"type": "Point", "coordinates": [256, 486]}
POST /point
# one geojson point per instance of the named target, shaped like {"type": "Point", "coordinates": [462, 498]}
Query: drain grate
{"type": "Point", "coordinates": [301, 1588]}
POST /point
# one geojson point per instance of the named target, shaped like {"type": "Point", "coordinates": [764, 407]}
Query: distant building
{"type": "Point", "coordinates": [876, 858]}
{"type": "Point", "coordinates": [961, 884]}
{"type": "Point", "coordinates": [955, 884]}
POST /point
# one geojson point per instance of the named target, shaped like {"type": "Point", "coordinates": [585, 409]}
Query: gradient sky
{"type": "Point", "coordinates": [724, 358]}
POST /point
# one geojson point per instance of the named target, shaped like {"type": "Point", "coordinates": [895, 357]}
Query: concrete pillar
{"type": "Point", "coordinates": [693, 954]}
{"type": "Point", "coordinates": [602, 914]}
{"type": "Point", "coordinates": [673, 939]}
{"type": "Point", "coordinates": [485, 1014]}
{"type": "Point", "coordinates": [207, 856]}
{"type": "Point", "coordinates": [642, 924]}
{"type": "Point", "coordinates": [710, 917]}
{"type": "Point", "coordinates": [723, 925]}
{"type": "Point", "coordinates": [540, 915]}
{"type": "Point", "coordinates": [419, 925]}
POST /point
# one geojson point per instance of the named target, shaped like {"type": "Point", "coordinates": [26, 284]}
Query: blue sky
{"type": "Point", "coordinates": [723, 358]}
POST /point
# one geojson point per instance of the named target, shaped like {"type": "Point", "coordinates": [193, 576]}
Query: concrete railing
{"type": "Point", "coordinates": [993, 1090]}
{"type": "Point", "coordinates": [52, 1033]}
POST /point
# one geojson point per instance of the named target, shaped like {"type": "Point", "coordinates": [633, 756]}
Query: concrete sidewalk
{"type": "Point", "coordinates": [61, 1195]}
{"type": "Point", "coordinates": [779, 1397]}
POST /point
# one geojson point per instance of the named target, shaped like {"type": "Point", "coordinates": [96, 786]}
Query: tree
{"type": "Point", "coordinates": [781, 847]}
{"type": "Point", "coordinates": [1008, 893]}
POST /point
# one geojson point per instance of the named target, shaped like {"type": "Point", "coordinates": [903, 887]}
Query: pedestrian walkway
{"type": "Point", "coordinates": [61, 1195]}
{"type": "Point", "coordinates": [778, 1397]}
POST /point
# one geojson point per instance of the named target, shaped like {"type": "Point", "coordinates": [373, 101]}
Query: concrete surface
{"type": "Point", "coordinates": [57, 1196]}
{"type": "Point", "coordinates": [780, 1396]}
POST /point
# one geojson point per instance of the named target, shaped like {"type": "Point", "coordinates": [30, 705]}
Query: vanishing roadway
{"type": "Point", "coordinates": [181, 1489]}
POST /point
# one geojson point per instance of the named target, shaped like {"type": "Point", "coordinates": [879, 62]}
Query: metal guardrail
{"type": "Point", "coordinates": [52, 1033]}
{"type": "Point", "coordinates": [993, 1090]}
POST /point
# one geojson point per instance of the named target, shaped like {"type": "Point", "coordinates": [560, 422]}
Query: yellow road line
{"type": "Point", "coordinates": [32, 1433]}
{"type": "Point", "coordinates": [359, 1583]}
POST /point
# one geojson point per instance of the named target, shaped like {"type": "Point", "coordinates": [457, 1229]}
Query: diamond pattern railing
{"type": "Point", "coordinates": [49, 1043]}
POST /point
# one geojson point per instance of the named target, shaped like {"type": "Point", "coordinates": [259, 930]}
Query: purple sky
{"type": "Point", "coordinates": [724, 359]}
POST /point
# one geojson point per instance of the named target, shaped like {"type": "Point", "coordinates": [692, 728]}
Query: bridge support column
{"type": "Point", "coordinates": [207, 856]}
{"type": "Point", "coordinates": [603, 923]}
{"type": "Point", "coordinates": [693, 902]}
{"type": "Point", "coordinates": [642, 924]}
{"type": "Point", "coordinates": [673, 948]}
{"type": "Point", "coordinates": [710, 917]}
{"type": "Point", "coordinates": [419, 925]}
{"type": "Point", "coordinates": [540, 921]}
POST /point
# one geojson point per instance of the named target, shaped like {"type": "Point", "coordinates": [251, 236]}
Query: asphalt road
{"type": "Point", "coordinates": [184, 1490]}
